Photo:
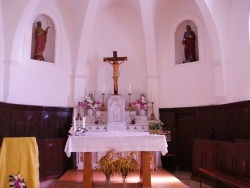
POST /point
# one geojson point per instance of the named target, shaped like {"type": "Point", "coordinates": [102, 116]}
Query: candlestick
{"type": "Point", "coordinates": [103, 108]}
{"type": "Point", "coordinates": [130, 107]}
{"type": "Point", "coordinates": [78, 116]}
{"type": "Point", "coordinates": [152, 117]}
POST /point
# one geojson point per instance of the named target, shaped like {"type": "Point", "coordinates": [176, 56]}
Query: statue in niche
{"type": "Point", "coordinates": [189, 42]}
{"type": "Point", "coordinates": [41, 38]}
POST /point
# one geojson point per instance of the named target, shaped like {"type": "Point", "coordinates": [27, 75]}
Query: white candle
{"type": "Point", "coordinates": [83, 122]}
{"type": "Point", "coordinates": [152, 97]}
{"type": "Point", "coordinates": [103, 88]}
{"type": "Point", "coordinates": [129, 88]}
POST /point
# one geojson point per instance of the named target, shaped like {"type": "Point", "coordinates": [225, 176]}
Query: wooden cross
{"type": "Point", "coordinates": [115, 65]}
{"type": "Point", "coordinates": [115, 58]}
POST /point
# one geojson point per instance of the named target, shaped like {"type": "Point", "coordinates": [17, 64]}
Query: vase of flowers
{"type": "Point", "coordinates": [125, 165]}
{"type": "Point", "coordinates": [141, 105]}
{"type": "Point", "coordinates": [113, 163]}
{"type": "Point", "coordinates": [155, 127]}
{"type": "Point", "coordinates": [107, 165]}
{"type": "Point", "coordinates": [142, 112]}
{"type": "Point", "coordinates": [89, 103]}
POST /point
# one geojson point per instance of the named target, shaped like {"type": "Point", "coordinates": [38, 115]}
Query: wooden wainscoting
{"type": "Point", "coordinates": [49, 125]}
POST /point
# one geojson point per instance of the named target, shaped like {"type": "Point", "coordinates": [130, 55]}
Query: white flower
{"type": "Point", "coordinates": [141, 103]}
{"type": "Point", "coordinates": [89, 102]}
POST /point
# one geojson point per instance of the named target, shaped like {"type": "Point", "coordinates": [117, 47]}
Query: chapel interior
{"type": "Point", "coordinates": [187, 61]}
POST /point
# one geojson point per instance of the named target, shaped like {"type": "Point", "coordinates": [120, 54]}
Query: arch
{"type": "Point", "coordinates": [51, 20]}
{"type": "Point", "coordinates": [200, 35]}
{"type": "Point", "coordinates": [49, 52]}
{"type": "Point", "coordinates": [179, 52]}
{"type": "Point", "coordinates": [211, 32]}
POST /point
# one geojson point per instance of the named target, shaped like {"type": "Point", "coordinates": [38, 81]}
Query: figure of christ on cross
{"type": "Point", "coordinates": [115, 65]}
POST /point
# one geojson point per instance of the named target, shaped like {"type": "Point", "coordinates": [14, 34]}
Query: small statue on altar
{"type": "Point", "coordinates": [133, 121]}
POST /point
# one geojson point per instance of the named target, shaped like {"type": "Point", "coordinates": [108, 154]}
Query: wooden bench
{"type": "Point", "coordinates": [223, 163]}
{"type": "Point", "coordinates": [218, 176]}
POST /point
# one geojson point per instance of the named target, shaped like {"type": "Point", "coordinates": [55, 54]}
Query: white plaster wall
{"type": "Point", "coordinates": [117, 29]}
{"type": "Point", "coordinates": [238, 50]}
{"type": "Point", "coordinates": [221, 77]}
{"type": "Point", "coordinates": [35, 82]}
{"type": "Point", "coordinates": [190, 84]}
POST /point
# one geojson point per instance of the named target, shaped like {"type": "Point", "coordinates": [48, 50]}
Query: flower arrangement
{"type": "Point", "coordinates": [77, 131]}
{"type": "Point", "coordinates": [141, 103]}
{"type": "Point", "coordinates": [127, 164]}
{"type": "Point", "coordinates": [155, 127]}
{"type": "Point", "coordinates": [89, 102]}
{"type": "Point", "coordinates": [107, 165]}
{"type": "Point", "coordinates": [16, 181]}
{"type": "Point", "coordinates": [113, 163]}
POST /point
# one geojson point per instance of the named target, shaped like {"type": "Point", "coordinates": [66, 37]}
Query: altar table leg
{"type": "Point", "coordinates": [145, 173]}
{"type": "Point", "coordinates": [87, 170]}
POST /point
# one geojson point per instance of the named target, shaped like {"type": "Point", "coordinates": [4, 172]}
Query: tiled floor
{"type": "Point", "coordinates": [160, 179]}
{"type": "Point", "coordinates": [185, 177]}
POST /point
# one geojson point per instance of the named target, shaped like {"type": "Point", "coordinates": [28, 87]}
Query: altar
{"type": "Point", "coordinates": [119, 141]}
{"type": "Point", "coordinates": [112, 126]}
{"type": "Point", "coordinates": [115, 118]}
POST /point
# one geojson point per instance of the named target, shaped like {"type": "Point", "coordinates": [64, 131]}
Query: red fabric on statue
{"type": "Point", "coordinates": [41, 37]}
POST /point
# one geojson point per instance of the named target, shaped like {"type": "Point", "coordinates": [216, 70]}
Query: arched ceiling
{"type": "Point", "coordinates": [77, 6]}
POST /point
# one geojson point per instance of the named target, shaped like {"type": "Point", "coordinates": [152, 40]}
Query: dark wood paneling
{"type": "Point", "coordinates": [49, 125]}
{"type": "Point", "coordinates": [185, 132]}
{"type": "Point", "coordinates": [228, 157]}
{"type": "Point", "coordinates": [225, 122]}
{"type": "Point", "coordinates": [169, 124]}
{"type": "Point", "coordinates": [204, 155]}
{"type": "Point", "coordinates": [40, 122]}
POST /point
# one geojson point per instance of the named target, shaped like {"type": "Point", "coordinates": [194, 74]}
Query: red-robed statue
{"type": "Point", "coordinates": [40, 37]}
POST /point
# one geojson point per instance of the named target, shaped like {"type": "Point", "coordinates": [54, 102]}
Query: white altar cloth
{"type": "Point", "coordinates": [119, 141]}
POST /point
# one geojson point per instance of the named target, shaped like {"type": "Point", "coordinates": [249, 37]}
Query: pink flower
{"type": "Point", "coordinates": [141, 103]}
{"type": "Point", "coordinates": [89, 102]}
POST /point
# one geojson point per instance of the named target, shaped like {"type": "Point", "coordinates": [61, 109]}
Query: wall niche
{"type": "Point", "coordinates": [38, 38]}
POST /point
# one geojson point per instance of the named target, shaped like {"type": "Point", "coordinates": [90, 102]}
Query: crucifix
{"type": "Point", "coordinates": [115, 65]}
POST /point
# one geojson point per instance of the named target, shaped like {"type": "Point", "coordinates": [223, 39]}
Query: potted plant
{"type": "Point", "coordinates": [155, 127]}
